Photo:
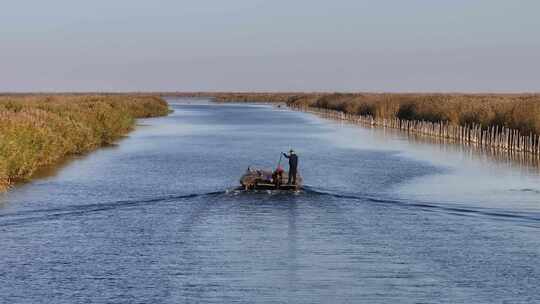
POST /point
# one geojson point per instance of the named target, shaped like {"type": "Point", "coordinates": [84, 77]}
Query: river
{"type": "Point", "coordinates": [383, 219]}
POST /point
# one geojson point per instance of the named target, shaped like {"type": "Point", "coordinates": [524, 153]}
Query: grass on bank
{"type": "Point", "coordinates": [36, 131]}
{"type": "Point", "coordinates": [519, 112]}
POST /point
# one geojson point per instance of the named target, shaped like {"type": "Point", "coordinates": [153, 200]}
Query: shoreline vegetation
{"type": "Point", "coordinates": [39, 130]}
{"type": "Point", "coordinates": [502, 121]}
{"type": "Point", "coordinates": [515, 111]}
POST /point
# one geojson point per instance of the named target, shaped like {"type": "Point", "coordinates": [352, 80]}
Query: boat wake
{"type": "Point", "coordinates": [458, 209]}
{"type": "Point", "coordinates": [20, 217]}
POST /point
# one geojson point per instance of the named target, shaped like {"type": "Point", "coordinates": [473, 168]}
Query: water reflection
{"type": "Point", "coordinates": [512, 159]}
{"type": "Point", "coordinates": [292, 246]}
{"type": "Point", "coordinates": [386, 219]}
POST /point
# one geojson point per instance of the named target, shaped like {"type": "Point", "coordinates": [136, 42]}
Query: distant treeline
{"type": "Point", "coordinates": [39, 130]}
{"type": "Point", "coordinates": [518, 112]}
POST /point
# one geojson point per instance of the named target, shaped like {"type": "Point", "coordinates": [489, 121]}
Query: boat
{"type": "Point", "coordinates": [260, 179]}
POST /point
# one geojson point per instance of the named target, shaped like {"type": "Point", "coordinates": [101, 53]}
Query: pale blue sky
{"type": "Point", "coordinates": [270, 45]}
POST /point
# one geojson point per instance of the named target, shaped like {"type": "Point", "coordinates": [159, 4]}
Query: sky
{"type": "Point", "coordinates": [270, 45]}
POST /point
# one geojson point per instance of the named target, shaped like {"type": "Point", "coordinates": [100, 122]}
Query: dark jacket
{"type": "Point", "coordinates": [293, 161]}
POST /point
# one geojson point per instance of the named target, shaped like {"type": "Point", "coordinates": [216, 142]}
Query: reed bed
{"type": "Point", "coordinates": [252, 97]}
{"type": "Point", "coordinates": [500, 138]}
{"type": "Point", "coordinates": [518, 112]}
{"type": "Point", "coordinates": [503, 121]}
{"type": "Point", "coordinates": [38, 130]}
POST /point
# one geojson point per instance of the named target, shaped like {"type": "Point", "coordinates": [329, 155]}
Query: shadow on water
{"type": "Point", "coordinates": [54, 169]}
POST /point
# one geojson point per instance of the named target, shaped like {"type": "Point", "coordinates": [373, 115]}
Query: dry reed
{"type": "Point", "coordinates": [36, 131]}
{"type": "Point", "coordinates": [517, 112]}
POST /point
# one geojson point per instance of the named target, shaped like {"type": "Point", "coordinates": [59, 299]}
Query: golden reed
{"type": "Point", "coordinates": [39, 130]}
{"type": "Point", "coordinates": [519, 112]}
{"type": "Point", "coordinates": [515, 111]}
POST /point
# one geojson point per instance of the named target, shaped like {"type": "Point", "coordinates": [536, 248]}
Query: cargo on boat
{"type": "Point", "coordinates": [259, 179]}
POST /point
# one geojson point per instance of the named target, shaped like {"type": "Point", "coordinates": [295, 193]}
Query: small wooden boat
{"type": "Point", "coordinates": [257, 179]}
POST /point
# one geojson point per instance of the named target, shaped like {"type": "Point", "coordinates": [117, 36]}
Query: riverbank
{"type": "Point", "coordinates": [40, 130]}
{"type": "Point", "coordinates": [153, 216]}
{"type": "Point", "coordinates": [515, 111]}
{"type": "Point", "coordinates": [507, 121]}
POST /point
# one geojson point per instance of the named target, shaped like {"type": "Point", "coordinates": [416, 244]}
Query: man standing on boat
{"type": "Point", "coordinates": [293, 166]}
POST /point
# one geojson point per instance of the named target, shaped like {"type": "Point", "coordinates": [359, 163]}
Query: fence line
{"type": "Point", "coordinates": [494, 137]}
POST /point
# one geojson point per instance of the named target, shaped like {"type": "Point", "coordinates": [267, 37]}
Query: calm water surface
{"type": "Point", "coordinates": [383, 219]}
